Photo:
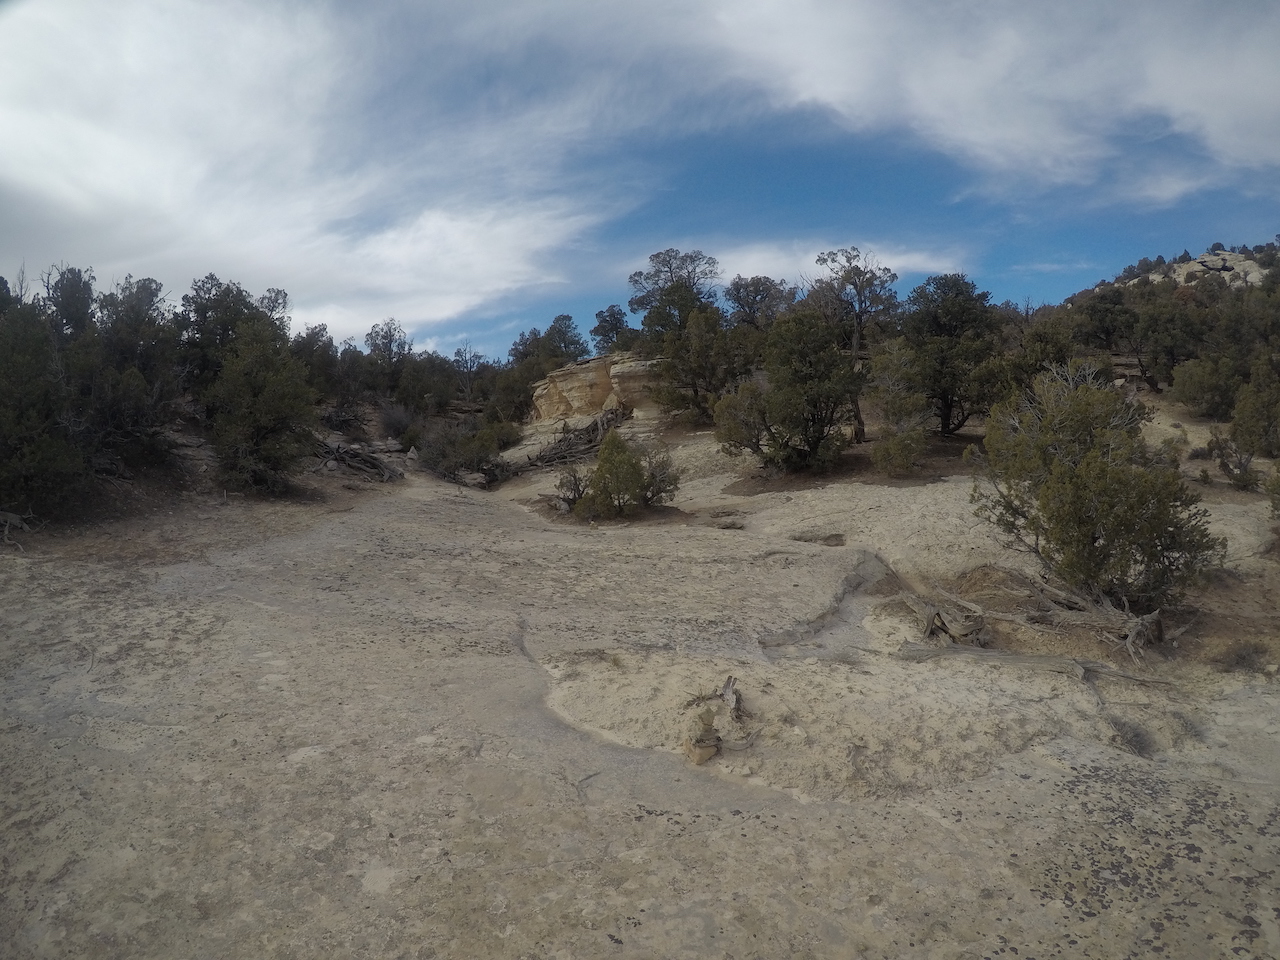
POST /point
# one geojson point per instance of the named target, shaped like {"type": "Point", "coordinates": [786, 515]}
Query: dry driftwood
{"type": "Point", "coordinates": [374, 467]}
{"type": "Point", "coordinates": [1058, 608]}
{"type": "Point", "coordinates": [573, 446]}
{"type": "Point", "coordinates": [704, 742]}
{"type": "Point", "coordinates": [1084, 670]}
{"type": "Point", "coordinates": [948, 624]}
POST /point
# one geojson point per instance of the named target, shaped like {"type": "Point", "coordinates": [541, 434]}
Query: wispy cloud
{"type": "Point", "coordinates": [1036, 92]}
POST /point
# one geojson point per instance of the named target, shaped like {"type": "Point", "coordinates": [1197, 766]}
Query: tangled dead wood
{"type": "Point", "coordinates": [13, 520]}
{"type": "Point", "coordinates": [704, 740]}
{"type": "Point", "coordinates": [570, 446]}
{"type": "Point", "coordinates": [965, 622]}
{"type": "Point", "coordinates": [374, 467]}
{"type": "Point", "coordinates": [951, 626]}
{"type": "Point", "coordinates": [573, 446]}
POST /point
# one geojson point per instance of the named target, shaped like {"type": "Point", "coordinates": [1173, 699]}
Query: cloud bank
{"type": "Point", "coordinates": [433, 161]}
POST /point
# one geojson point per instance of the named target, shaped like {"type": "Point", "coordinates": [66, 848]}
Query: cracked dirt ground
{"type": "Point", "coordinates": [432, 722]}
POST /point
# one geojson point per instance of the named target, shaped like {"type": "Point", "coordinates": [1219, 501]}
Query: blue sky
{"type": "Point", "coordinates": [474, 169]}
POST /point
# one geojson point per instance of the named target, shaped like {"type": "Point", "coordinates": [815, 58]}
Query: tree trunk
{"type": "Point", "coordinates": [859, 425]}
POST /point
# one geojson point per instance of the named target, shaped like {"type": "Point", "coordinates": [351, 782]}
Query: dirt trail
{"type": "Point", "coordinates": [440, 724]}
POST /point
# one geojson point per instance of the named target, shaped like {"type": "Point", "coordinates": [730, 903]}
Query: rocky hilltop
{"type": "Point", "coordinates": [1237, 269]}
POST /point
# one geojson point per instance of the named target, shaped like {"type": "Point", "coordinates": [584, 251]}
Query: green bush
{"type": "Point", "coordinates": [899, 452]}
{"type": "Point", "coordinates": [661, 478]}
{"type": "Point", "coordinates": [797, 420]}
{"type": "Point", "coordinates": [904, 409]}
{"type": "Point", "coordinates": [572, 484]}
{"type": "Point", "coordinates": [616, 486]}
{"type": "Point", "coordinates": [1070, 477]}
{"type": "Point", "coordinates": [41, 465]}
{"type": "Point", "coordinates": [1271, 487]}
{"type": "Point", "coordinates": [1255, 425]}
{"type": "Point", "coordinates": [622, 481]}
{"type": "Point", "coordinates": [451, 447]}
{"type": "Point", "coordinates": [1207, 387]}
{"type": "Point", "coordinates": [263, 409]}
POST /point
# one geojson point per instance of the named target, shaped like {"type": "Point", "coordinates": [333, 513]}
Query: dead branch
{"type": "Point", "coordinates": [704, 741]}
{"type": "Point", "coordinates": [366, 463]}
{"type": "Point", "coordinates": [13, 520]}
{"type": "Point", "coordinates": [1085, 671]}
{"type": "Point", "coordinates": [948, 624]}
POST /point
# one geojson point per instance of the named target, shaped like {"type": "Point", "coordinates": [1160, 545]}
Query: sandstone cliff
{"type": "Point", "coordinates": [586, 388]}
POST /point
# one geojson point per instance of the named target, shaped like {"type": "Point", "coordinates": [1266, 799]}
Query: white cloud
{"type": "Point", "coordinates": [432, 160]}
{"type": "Point", "coordinates": [1037, 92]}
{"type": "Point", "coordinates": [174, 139]}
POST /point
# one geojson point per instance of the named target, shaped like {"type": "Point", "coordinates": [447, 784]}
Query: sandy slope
{"type": "Point", "coordinates": [436, 722]}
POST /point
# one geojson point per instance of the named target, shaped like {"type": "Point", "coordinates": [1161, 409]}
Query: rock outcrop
{"type": "Point", "coordinates": [1237, 269]}
{"type": "Point", "coordinates": [589, 387]}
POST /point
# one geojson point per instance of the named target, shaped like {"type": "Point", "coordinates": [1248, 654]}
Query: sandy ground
{"type": "Point", "coordinates": [427, 721]}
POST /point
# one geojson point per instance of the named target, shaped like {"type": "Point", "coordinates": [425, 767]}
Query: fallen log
{"type": "Point", "coordinates": [1085, 671]}
{"type": "Point", "coordinates": [1061, 609]}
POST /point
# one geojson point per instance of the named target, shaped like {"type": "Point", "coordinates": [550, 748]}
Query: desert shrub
{"type": "Point", "coordinates": [1199, 453]}
{"type": "Point", "coordinates": [263, 409]}
{"type": "Point", "coordinates": [1069, 477]}
{"type": "Point", "coordinates": [1207, 387]}
{"type": "Point", "coordinates": [1236, 465]}
{"type": "Point", "coordinates": [396, 420]}
{"type": "Point", "coordinates": [1247, 656]}
{"type": "Point", "coordinates": [450, 447]}
{"type": "Point", "coordinates": [572, 484]}
{"type": "Point", "coordinates": [1271, 487]}
{"type": "Point", "coordinates": [623, 479]}
{"type": "Point", "coordinates": [903, 408]}
{"type": "Point", "coordinates": [1255, 425]}
{"type": "Point", "coordinates": [661, 478]}
{"type": "Point", "coordinates": [343, 418]}
{"type": "Point", "coordinates": [796, 420]}
{"type": "Point", "coordinates": [898, 452]}
{"type": "Point", "coordinates": [616, 485]}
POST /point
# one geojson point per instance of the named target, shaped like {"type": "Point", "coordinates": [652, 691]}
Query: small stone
{"type": "Point", "coordinates": [1272, 668]}
{"type": "Point", "coordinates": [699, 753]}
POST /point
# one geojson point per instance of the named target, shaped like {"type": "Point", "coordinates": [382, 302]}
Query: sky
{"type": "Point", "coordinates": [474, 169]}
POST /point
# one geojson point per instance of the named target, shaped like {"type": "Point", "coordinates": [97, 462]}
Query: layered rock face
{"type": "Point", "coordinates": [1237, 269]}
{"type": "Point", "coordinates": [587, 388]}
